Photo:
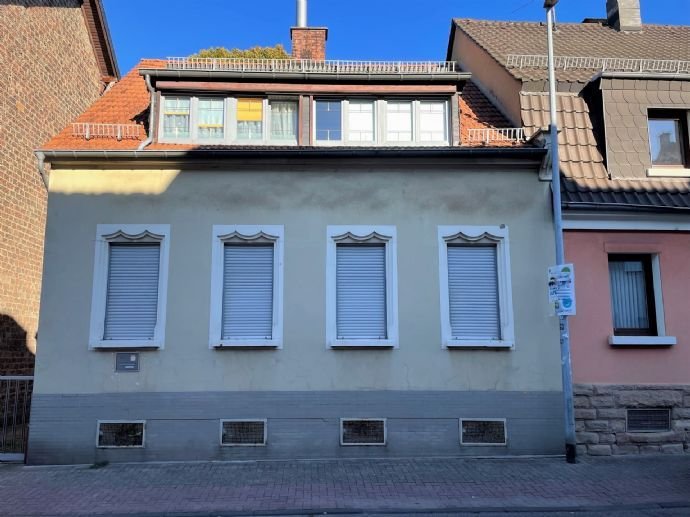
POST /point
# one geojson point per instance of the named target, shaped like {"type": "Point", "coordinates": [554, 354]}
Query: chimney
{"type": "Point", "coordinates": [307, 42]}
{"type": "Point", "coordinates": [624, 15]}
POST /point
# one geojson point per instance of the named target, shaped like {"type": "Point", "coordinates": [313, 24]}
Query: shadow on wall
{"type": "Point", "coordinates": [15, 356]}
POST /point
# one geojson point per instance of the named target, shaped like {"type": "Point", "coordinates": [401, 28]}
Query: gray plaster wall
{"type": "Point", "coordinates": [185, 426]}
{"type": "Point", "coordinates": [415, 197]}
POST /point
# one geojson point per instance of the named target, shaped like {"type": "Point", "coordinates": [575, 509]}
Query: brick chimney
{"type": "Point", "coordinates": [624, 15]}
{"type": "Point", "coordinates": [307, 42]}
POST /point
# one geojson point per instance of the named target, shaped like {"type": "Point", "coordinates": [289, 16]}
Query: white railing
{"type": "Point", "coordinates": [605, 64]}
{"type": "Point", "coordinates": [119, 131]}
{"type": "Point", "coordinates": [491, 135]}
{"type": "Point", "coordinates": [310, 66]}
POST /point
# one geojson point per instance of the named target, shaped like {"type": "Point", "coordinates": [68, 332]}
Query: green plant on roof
{"type": "Point", "coordinates": [277, 52]}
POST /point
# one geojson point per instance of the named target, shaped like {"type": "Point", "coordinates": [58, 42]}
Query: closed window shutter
{"type": "Point", "coordinates": [131, 307]}
{"type": "Point", "coordinates": [628, 295]}
{"type": "Point", "coordinates": [361, 292]}
{"type": "Point", "coordinates": [473, 292]}
{"type": "Point", "coordinates": [247, 292]}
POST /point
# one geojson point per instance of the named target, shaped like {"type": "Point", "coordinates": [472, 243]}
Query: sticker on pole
{"type": "Point", "coordinates": [562, 289]}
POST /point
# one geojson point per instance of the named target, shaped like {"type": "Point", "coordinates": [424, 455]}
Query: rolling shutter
{"type": "Point", "coordinates": [247, 292]}
{"type": "Point", "coordinates": [131, 307]}
{"type": "Point", "coordinates": [473, 292]}
{"type": "Point", "coordinates": [361, 291]}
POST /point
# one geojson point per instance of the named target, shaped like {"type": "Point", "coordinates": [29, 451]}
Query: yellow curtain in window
{"type": "Point", "coordinates": [249, 110]}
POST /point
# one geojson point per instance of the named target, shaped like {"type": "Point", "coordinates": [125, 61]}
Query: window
{"type": "Point", "coordinates": [176, 113]}
{"type": "Point", "coordinates": [363, 431]}
{"type": "Point", "coordinates": [328, 120]}
{"type": "Point", "coordinates": [432, 121]}
{"type": "Point", "coordinates": [120, 434]}
{"type": "Point", "coordinates": [283, 120]}
{"type": "Point", "coordinates": [388, 121]}
{"type": "Point", "coordinates": [243, 433]}
{"type": "Point", "coordinates": [476, 298]}
{"type": "Point", "coordinates": [399, 121]}
{"type": "Point", "coordinates": [361, 286]}
{"type": "Point", "coordinates": [360, 121]}
{"type": "Point", "coordinates": [636, 301]}
{"type": "Point", "coordinates": [130, 284]}
{"type": "Point", "coordinates": [249, 119]}
{"type": "Point", "coordinates": [211, 120]}
{"type": "Point", "coordinates": [668, 138]}
{"type": "Point", "coordinates": [247, 286]}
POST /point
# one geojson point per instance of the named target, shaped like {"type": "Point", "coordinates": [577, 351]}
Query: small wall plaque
{"type": "Point", "coordinates": [126, 362]}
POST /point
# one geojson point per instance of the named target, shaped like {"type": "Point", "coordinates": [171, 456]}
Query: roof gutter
{"type": "Point", "coordinates": [624, 207]}
{"type": "Point", "coordinates": [642, 75]}
{"type": "Point", "coordinates": [464, 152]}
{"type": "Point", "coordinates": [41, 157]}
{"type": "Point", "coordinates": [152, 108]}
{"type": "Point", "coordinates": [304, 76]}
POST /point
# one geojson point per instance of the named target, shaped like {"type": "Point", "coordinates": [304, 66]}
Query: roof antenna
{"type": "Point", "coordinates": [301, 13]}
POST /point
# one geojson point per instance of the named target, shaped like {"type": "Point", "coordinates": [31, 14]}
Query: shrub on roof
{"type": "Point", "coordinates": [277, 52]}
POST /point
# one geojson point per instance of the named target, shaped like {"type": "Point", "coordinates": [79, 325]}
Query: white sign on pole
{"type": "Point", "coordinates": [562, 289]}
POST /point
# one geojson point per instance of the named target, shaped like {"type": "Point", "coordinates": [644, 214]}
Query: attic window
{"type": "Point", "coordinates": [668, 138]}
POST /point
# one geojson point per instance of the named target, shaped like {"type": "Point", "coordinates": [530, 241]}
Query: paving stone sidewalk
{"type": "Point", "coordinates": [621, 486]}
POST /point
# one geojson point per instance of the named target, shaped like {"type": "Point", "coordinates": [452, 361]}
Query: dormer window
{"type": "Point", "coordinates": [211, 119]}
{"type": "Point", "coordinates": [668, 138]}
{"type": "Point", "coordinates": [176, 112]}
{"type": "Point", "coordinates": [250, 119]}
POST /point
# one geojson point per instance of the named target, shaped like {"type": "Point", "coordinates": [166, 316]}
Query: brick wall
{"type": "Point", "coordinates": [49, 76]}
{"type": "Point", "coordinates": [309, 43]}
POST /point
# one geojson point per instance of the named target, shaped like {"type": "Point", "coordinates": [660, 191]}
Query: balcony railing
{"type": "Point", "coordinates": [493, 135]}
{"type": "Point", "coordinates": [90, 130]}
{"type": "Point", "coordinates": [311, 66]}
{"type": "Point", "coordinates": [605, 64]}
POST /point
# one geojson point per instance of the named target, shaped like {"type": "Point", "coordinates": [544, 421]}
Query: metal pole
{"type": "Point", "coordinates": [566, 372]}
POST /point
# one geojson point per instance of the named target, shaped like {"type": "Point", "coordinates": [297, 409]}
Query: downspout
{"type": "Point", "coordinates": [41, 157]}
{"type": "Point", "coordinates": [152, 109]}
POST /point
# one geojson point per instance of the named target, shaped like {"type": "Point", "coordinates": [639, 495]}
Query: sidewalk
{"type": "Point", "coordinates": [612, 486]}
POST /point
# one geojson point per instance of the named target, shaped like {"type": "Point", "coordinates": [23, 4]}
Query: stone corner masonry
{"type": "Point", "coordinates": [601, 419]}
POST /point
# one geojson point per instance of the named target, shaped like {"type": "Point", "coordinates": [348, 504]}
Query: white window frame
{"type": "Point", "coordinates": [367, 444]}
{"type": "Point", "coordinates": [105, 234]}
{"type": "Point", "coordinates": [497, 235]}
{"type": "Point", "coordinates": [229, 122]}
{"type": "Point", "coordinates": [386, 235]}
{"type": "Point", "coordinates": [661, 339]}
{"type": "Point", "coordinates": [245, 234]}
{"type": "Point", "coordinates": [380, 122]}
{"type": "Point", "coordinates": [477, 444]}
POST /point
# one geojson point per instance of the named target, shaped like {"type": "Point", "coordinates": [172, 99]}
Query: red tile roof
{"type": "Point", "coordinates": [127, 102]}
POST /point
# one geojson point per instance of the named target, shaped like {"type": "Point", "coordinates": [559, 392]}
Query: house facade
{"type": "Point", "coordinates": [56, 59]}
{"type": "Point", "coordinates": [295, 259]}
{"type": "Point", "coordinates": [623, 103]}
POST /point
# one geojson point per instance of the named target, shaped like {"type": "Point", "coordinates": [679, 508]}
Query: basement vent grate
{"type": "Point", "coordinates": [649, 420]}
{"type": "Point", "coordinates": [488, 431]}
{"type": "Point", "coordinates": [243, 432]}
{"type": "Point", "coordinates": [120, 434]}
{"type": "Point", "coordinates": [363, 431]}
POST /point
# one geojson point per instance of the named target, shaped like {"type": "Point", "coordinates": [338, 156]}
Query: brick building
{"type": "Point", "coordinates": [56, 58]}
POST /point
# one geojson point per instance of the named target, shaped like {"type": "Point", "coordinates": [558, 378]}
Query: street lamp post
{"type": "Point", "coordinates": [566, 372]}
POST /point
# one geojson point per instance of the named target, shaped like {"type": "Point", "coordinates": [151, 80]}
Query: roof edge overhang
{"type": "Point", "coordinates": [608, 220]}
{"type": "Point", "coordinates": [522, 158]}
{"type": "Point", "coordinates": [94, 10]}
{"type": "Point", "coordinates": [621, 207]}
{"type": "Point", "coordinates": [443, 77]}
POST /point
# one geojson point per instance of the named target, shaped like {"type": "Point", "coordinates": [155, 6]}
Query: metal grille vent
{"type": "Point", "coordinates": [121, 434]}
{"type": "Point", "coordinates": [243, 432]}
{"type": "Point", "coordinates": [363, 431]}
{"type": "Point", "coordinates": [483, 432]}
{"type": "Point", "coordinates": [649, 420]}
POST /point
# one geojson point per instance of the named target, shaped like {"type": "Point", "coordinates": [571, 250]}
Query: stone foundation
{"type": "Point", "coordinates": [601, 419]}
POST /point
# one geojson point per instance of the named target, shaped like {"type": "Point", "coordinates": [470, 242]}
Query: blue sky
{"type": "Point", "coordinates": [358, 29]}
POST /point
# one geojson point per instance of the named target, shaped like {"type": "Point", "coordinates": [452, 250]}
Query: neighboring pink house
{"type": "Point", "coordinates": [625, 161]}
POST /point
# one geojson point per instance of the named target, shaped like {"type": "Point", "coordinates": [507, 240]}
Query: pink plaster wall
{"type": "Point", "coordinates": [594, 360]}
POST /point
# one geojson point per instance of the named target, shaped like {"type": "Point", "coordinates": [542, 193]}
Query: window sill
{"type": "Point", "coordinates": [478, 343]}
{"type": "Point", "coordinates": [363, 343]}
{"type": "Point", "coordinates": [642, 340]}
{"type": "Point", "coordinates": [129, 345]}
{"type": "Point", "coordinates": [246, 343]}
{"type": "Point", "coordinates": [678, 172]}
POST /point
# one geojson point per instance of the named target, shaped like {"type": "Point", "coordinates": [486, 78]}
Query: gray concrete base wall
{"type": "Point", "coordinates": [185, 426]}
{"type": "Point", "coordinates": [601, 418]}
